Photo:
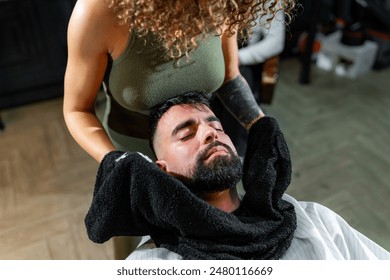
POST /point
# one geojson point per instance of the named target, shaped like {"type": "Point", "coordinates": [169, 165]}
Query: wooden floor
{"type": "Point", "coordinates": [338, 131]}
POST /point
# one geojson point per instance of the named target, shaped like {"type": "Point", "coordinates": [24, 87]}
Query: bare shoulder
{"type": "Point", "coordinates": [93, 23]}
{"type": "Point", "coordinates": [92, 11]}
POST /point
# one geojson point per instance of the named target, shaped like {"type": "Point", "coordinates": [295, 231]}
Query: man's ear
{"type": "Point", "coordinates": [162, 164]}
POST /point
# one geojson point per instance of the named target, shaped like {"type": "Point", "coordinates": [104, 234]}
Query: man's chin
{"type": "Point", "coordinates": [214, 160]}
{"type": "Point", "coordinates": [217, 172]}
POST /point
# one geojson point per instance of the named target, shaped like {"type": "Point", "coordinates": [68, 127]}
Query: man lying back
{"type": "Point", "coordinates": [186, 203]}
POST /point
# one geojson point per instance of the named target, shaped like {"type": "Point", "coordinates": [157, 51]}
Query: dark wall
{"type": "Point", "coordinates": [33, 49]}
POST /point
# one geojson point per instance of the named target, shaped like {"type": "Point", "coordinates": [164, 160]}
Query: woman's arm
{"type": "Point", "coordinates": [230, 55]}
{"type": "Point", "coordinates": [87, 60]}
{"type": "Point", "coordinates": [235, 94]}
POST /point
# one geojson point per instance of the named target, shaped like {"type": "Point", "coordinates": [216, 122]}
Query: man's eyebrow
{"type": "Point", "coordinates": [182, 125]}
{"type": "Point", "coordinates": [213, 119]}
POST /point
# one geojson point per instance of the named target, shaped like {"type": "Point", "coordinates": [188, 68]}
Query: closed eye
{"type": "Point", "coordinates": [187, 137]}
{"type": "Point", "coordinates": [217, 126]}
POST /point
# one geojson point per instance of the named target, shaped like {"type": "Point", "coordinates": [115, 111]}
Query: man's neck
{"type": "Point", "coordinates": [226, 200]}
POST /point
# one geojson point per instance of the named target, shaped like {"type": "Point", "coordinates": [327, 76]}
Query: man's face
{"type": "Point", "coordinates": [191, 145]}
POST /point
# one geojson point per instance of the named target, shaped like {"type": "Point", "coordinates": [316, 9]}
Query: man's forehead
{"type": "Point", "coordinates": [179, 113]}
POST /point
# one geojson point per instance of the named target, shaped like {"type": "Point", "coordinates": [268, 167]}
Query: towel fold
{"type": "Point", "coordinates": [133, 196]}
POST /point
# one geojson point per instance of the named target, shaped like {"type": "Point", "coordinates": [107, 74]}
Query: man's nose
{"type": "Point", "coordinates": [209, 134]}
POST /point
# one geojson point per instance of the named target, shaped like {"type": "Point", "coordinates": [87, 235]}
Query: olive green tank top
{"type": "Point", "coordinates": [141, 78]}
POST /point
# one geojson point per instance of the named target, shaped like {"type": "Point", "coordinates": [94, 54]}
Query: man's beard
{"type": "Point", "coordinates": [221, 173]}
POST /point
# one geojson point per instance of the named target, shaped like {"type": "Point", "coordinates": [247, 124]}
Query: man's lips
{"type": "Point", "coordinates": [215, 151]}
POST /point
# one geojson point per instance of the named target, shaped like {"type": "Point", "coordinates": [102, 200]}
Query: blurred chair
{"type": "Point", "coordinates": [269, 78]}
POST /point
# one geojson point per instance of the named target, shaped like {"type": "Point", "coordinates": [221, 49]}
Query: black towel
{"type": "Point", "coordinates": [133, 196]}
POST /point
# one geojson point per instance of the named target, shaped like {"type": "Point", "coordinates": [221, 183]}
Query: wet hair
{"type": "Point", "coordinates": [180, 24]}
{"type": "Point", "coordinates": [194, 99]}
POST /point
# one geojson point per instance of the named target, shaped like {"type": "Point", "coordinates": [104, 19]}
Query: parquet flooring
{"type": "Point", "coordinates": [337, 129]}
{"type": "Point", "coordinates": [46, 182]}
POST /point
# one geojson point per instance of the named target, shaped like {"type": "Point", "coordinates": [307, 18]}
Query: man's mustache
{"type": "Point", "coordinates": [203, 155]}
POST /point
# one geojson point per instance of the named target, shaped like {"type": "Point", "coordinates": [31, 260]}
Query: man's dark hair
{"type": "Point", "coordinates": [191, 98]}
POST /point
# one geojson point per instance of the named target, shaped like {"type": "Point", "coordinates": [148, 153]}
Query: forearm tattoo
{"type": "Point", "coordinates": [237, 97]}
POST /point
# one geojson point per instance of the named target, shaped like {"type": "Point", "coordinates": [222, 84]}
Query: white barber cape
{"type": "Point", "coordinates": [321, 234]}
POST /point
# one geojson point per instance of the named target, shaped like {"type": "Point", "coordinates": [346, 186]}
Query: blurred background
{"type": "Point", "coordinates": [328, 87]}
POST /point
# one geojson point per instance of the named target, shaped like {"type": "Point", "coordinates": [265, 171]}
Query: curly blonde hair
{"type": "Point", "coordinates": [179, 24]}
